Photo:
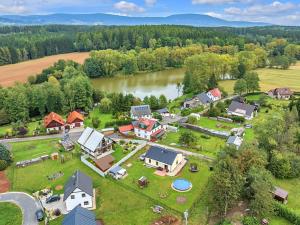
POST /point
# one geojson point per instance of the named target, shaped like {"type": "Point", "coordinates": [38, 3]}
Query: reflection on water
{"type": "Point", "coordinates": [141, 85]}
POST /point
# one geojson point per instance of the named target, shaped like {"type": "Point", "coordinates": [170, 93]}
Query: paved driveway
{"type": "Point", "coordinates": [27, 204]}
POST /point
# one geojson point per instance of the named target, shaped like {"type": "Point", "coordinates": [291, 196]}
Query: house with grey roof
{"type": "Point", "coordinates": [78, 191]}
{"type": "Point", "coordinates": [242, 109]}
{"type": "Point", "coordinates": [281, 93]}
{"type": "Point", "coordinates": [80, 216]}
{"type": "Point", "coordinates": [162, 158]}
{"type": "Point", "coordinates": [94, 143]}
{"type": "Point", "coordinates": [197, 100]}
{"type": "Point", "coordinates": [234, 141]}
{"type": "Point", "coordinates": [140, 111]}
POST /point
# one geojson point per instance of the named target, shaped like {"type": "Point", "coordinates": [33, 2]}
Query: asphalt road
{"type": "Point", "coordinates": [27, 204]}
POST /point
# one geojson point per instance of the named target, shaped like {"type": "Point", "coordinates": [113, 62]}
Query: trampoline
{"type": "Point", "coordinates": [182, 185]}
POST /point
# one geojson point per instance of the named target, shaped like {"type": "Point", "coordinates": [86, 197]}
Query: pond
{"type": "Point", "coordinates": [141, 85]}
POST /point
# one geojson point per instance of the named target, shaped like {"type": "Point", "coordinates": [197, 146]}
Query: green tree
{"type": "Point", "coordinates": [252, 81]}
{"type": "Point", "coordinates": [5, 154]}
{"type": "Point", "coordinates": [105, 105]}
{"type": "Point", "coordinates": [188, 138]}
{"type": "Point", "coordinates": [240, 86]}
{"type": "Point", "coordinates": [163, 102]}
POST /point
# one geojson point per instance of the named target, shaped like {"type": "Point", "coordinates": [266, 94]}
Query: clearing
{"type": "Point", "coordinates": [9, 74]}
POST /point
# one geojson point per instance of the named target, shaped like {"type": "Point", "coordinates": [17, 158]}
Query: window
{"type": "Point", "coordinates": [157, 163]}
{"type": "Point", "coordinates": [83, 195]}
{"type": "Point", "coordinates": [86, 203]}
{"type": "Point", "coordinates": [72, 196]}
{"type": "Point", "coordinates": [149, 160]}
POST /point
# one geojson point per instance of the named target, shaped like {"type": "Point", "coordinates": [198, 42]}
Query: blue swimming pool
{"type": "Point", "coordinates": [182, 185]}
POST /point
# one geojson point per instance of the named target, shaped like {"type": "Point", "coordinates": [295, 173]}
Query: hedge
{"type": "Point", "coordinates": [117, 123]}
{"type": "Point", "coordinates": [286, 213]}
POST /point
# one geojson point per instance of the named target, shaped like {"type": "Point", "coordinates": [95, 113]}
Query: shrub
{"type": "Point", "coordinates": [205, 136]}
{"type": "Point", "coordinates": [117, 123]}
{"type": "Point", "coordinates": [95, 122]}
{"type": "Point", "coordinates": [250, 220]}
{"type": "Point", "coordinates": [286, 213]}
{"type": "Point", "coordinates": [57, 212]}
{"type": "Point", "coordinates": [22, 131]}
{"type": "Point", "coordinates": [238, 119]}
{"type": "Point", "coordinates": [3, 165]}
{"type": "Point", "coordinates": [5, 154]}
{"type": "Point", "coordinates": [192, 120]}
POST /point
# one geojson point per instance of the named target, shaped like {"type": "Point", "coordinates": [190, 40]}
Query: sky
{"type": "Point", "coordinates": [270, 11]}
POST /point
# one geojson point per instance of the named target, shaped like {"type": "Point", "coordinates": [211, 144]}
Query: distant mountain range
{"type": "Point", "coordinates": [108, 19]}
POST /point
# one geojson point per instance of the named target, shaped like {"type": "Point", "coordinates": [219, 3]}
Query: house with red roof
{"type": "Point", "coordinates": [149, 129]}
{"type": "Point", "coordinates": [75, 119]}
{"type": "Point", "coordinates": [214, 94]}
{"type": "Point", "coordinates": [126, 129]}
{"type": "Point", "coordinates": [53, 122]}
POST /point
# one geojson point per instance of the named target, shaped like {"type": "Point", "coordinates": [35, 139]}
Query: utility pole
{"type": "Point", "coordinates": [186, 215]}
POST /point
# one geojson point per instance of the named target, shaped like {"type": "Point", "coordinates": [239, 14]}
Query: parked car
{"type": "Point", "coordinates": [53, 198]}
{"type": "Point", "coordinates": [142, 157]}
{"type": "Point", "coordinates": [39, 215]}
{"type": "Point", "coordinates": [248, 126]}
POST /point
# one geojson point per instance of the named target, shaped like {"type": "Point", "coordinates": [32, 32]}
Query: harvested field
{"type": "Point", "coordinates": [9, 74]}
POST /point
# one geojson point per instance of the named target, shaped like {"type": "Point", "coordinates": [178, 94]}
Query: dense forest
{"type": "Point", "coordinates": [20, 43]}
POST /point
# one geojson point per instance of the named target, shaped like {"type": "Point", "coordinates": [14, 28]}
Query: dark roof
{"type": "Point", "coordinates": [164, 110]}
{"type": "Point", "coordinates": [235, 106]}
{"type": "Point", "coordinates": [280, 193]}
{"type": "Point", "coordinates": [140, 110]}
{"type": "Point", "coordinates": [203, 98]}
{"type": "Point", "coordinates": [80, 216]}
{"type": "Point", "coordinates": [81, 181]}
{"type": "Point", "coordinates": [163, 155]}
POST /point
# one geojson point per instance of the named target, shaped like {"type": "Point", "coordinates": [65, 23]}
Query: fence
{"type": "Point", "coordinates": [220, 134]}
{"type": "Point", "coordinates": [87, 163]}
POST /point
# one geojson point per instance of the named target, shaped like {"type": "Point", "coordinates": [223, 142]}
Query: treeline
{"type": "Point", "coordinates": [30, 42]}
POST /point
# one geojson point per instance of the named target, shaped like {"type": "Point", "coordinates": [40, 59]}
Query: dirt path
{"type": "Point", "coordinates": [4, 182]}
{"type": "Point", "coordinates": [9, 74]}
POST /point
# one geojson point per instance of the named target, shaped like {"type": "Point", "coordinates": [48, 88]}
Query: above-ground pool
{"type": "Point", "coordinates": [182, 185]}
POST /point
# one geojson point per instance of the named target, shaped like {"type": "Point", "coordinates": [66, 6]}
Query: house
{"type": "Point", "coordinates": [281, 93]}
{"type": "Point", "coordinates": [241, 109]}
{"type": "Point", "coordinates": [53, 122]}
{"type": "Point", "coordinates": [163, 112]}
{"type": "Point", "coordinates": [118, 172]}
{"type": "Point", "coordinates": [80, 216]}
{"type": "Point", "coordinates": [140, 111]}
{"type": "Point", "coordinates": [104, 163]}
{"type": "Point", "coordinates": [197, 100]}
{"type": "Point", "coordinates": [75, 119]}
{"type": "Point", "coordinates": [78, 191]}
{"type": "Point", "coordinates": [149, 129]}
{"type": "Point", "coordinates": [234, 141]}
{"type": "Point", "coordinates": [280, 195]}
{"type": "Point", "coordinates": [94, 143]}
{"type": "Point", "coordinates": [214, 94]}
{"type": "Point", "coordinates": [126, 129]}
{"type": "Point", "coordinates": [162, 158]}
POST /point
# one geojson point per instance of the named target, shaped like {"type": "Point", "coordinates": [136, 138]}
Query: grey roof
{"type": "Point", "coordinates": [140, 110]}
{"type": "Point", "coordinates": [203, 98]}
{"type": "Point", "coordinates": [231, 140]}
{"type": "Point", "coordinates": [90, 139]}
{"type": "Point", "coordinates": [163, 155]}
{"type": "Point", "coordinates": [80, 216]}
{"type": "Point", "coordinates": [235, 106]}
{"type": "Point", "coordinates": [81, 181]}
{"type": "Point", "coordinates": [164, 110]}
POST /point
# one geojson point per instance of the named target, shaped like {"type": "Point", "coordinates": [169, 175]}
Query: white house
{"type": "Point", "coordinates": [75, 119]}
{"type": "Point", "coordinates": [241, 109]}
{"type": "Point", "coordinates": [214, 94]}
{"type": "Point", "coordinates": [234, 141]}
{"type": "Point", "coordinates": [78, 191]}
{"type": "Point", "coordinates": [149, 129]}
{"type": "Point", "coordinates": [94, 143]}
{"type": "Point", "coordinates": [163, 158]}
{"type": "Point", "coordinates": [140, 111]}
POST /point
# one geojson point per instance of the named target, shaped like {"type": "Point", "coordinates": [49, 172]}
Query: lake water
{"type": "Point", "coordinates": [141, 85]}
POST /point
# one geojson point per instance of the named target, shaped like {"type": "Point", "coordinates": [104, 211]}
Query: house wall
{"type": "Point", "coordinates": [48, 130]}
{"type": "Point", "coordinates": [156, 164]}
{"type": "Point", "coordinates": [73, 125]}
{"type": "Point", "coordinates": [212, 97]}
{"type": "Point", "coordinates": [146, 134]}
{"type": "Point", "coordinates": [242, 115]}
{"type": "Point", "coordinates": [85, 202]}
{"type": "Point", "coordinates": [137, 117]}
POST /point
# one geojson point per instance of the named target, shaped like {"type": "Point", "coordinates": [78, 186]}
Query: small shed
{"type": "Point", "coordinates": [143, 182]}
{"type": "Point", "coordinates": [280, 195]}
{"type": "Point", "coordinates": [118, 172]}
{"type": "Point", "coordinates": [54, 156]}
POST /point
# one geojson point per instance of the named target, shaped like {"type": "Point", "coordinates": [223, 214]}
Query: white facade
{"type": "Point", "coordinates": [73, 125]}
{"type": "Point", "coordinates": [144, 117]}
{"type": "Point", "coordinates": [142, 133]}
{"type": "Point", "coordinates": [213, 98]}
{"type": "Point", "coordinates": [48, 130]}
{"type": "Point", "coordinates": [242, 113]}
{"type": "Point", "coordinates": [154, 163]}
{"type": "Point", "coordinates": [78, 197]}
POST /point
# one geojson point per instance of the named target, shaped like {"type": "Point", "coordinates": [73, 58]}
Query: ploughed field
{"type": "Point", "coordinates": [20, 72]}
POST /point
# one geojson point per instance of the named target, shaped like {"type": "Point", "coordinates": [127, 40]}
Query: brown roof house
{"type": "Point", "coordinates": [281, 93]}
{"type": "Point", "coordinates": [75, 119]}
{"type": "Point", "coordinates": [53, 122]}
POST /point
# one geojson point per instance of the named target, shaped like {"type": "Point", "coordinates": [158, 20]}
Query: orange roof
{"type": "Point", "coordinates": [126, 128]}
{"type": "Point", "coordinates": [149, 123]}
{"type": "Point", "coordinates": [216, 92]}
{"type": "Point", "coordinates": [73, 116]}
{"type": "Point", "coordinates": [53, 117]}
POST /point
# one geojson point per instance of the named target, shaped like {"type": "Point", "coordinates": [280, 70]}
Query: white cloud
{"type": "Point", "coordinates": [219, 1]}
{"type": "Point", "coordinates": [14, 9]}
{"type": "Point", "coordinates": [150, 2]}
{"type": "Point", "coordinates": [128, 7]}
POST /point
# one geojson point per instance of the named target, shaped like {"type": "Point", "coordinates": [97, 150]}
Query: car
{"type": "Point", "coordinates": [39, 215]}
{"type": "Point", "coordinates": [53, 198]}
{"type": "Point", "coordinates": [142, 157]}
{"type": "Point", "coordinates": [248, 126]}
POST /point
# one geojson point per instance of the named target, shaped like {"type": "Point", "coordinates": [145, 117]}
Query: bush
{"type": "Point", "coordinates": [117, 123]}
{"type": "Point", "coordinates": [5, 154]}
{"type": "Point", "coordinates": [205, 136]}
{"type": "Point", "coordinates": [238, 119]}
{"type": "Point", "coordinates": [286, 213]}
{"type": "Point", "coordinates": [22, 131]}
{"type": "Point", "coordinates": [95, 122]}
{"type": "Point", "coordinates": [3, 165]}
{"type": "Point", "coordinates": [192, 120]}
{"type": "Point", "coordinates": [250, 220]}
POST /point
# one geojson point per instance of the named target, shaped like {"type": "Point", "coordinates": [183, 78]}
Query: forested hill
{"type": "Point", "coordinates": [108, 19]}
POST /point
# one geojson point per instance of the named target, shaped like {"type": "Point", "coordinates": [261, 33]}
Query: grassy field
{"type": "Point", "coordinates": [272, 78]}
{"type": "Point", "coordinates": [104, 118]}
{"type": "Point", "coordinates": [9, 74]}
{"type": "Point", "coordinates": [10, 214]}
{"type": "Point", "coordinates": [216, 125]}
{"type": "Point", "coordinates": [162, 185]}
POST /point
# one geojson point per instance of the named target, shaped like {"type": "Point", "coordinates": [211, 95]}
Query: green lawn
{"type": "Point", "coordinates": [10, 214]}
{"type": "Point", "coordinates": [115, 205]}
{"type": "Point", "coordinates": [8, 128]}
{"type": "Point", "coordinates": [208, 146]}
{"type": "Point", "coordinates": [162, 185]}
{"type": "Point", "coordinates": [216, 125]}
{"type": "Point", "coordinates": [104, 118]}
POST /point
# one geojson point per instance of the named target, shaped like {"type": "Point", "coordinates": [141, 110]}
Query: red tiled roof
{"type": "Point", "coordinates": [149, 123]}
{"type": "Point", "coordinates": [126, 128]}
{"type": "Point", "coordinates": [216, 92]}
{"type": "Point", "coordinates": [73, 116]}
{"type": "Point", "coordinates": [53, 117]}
